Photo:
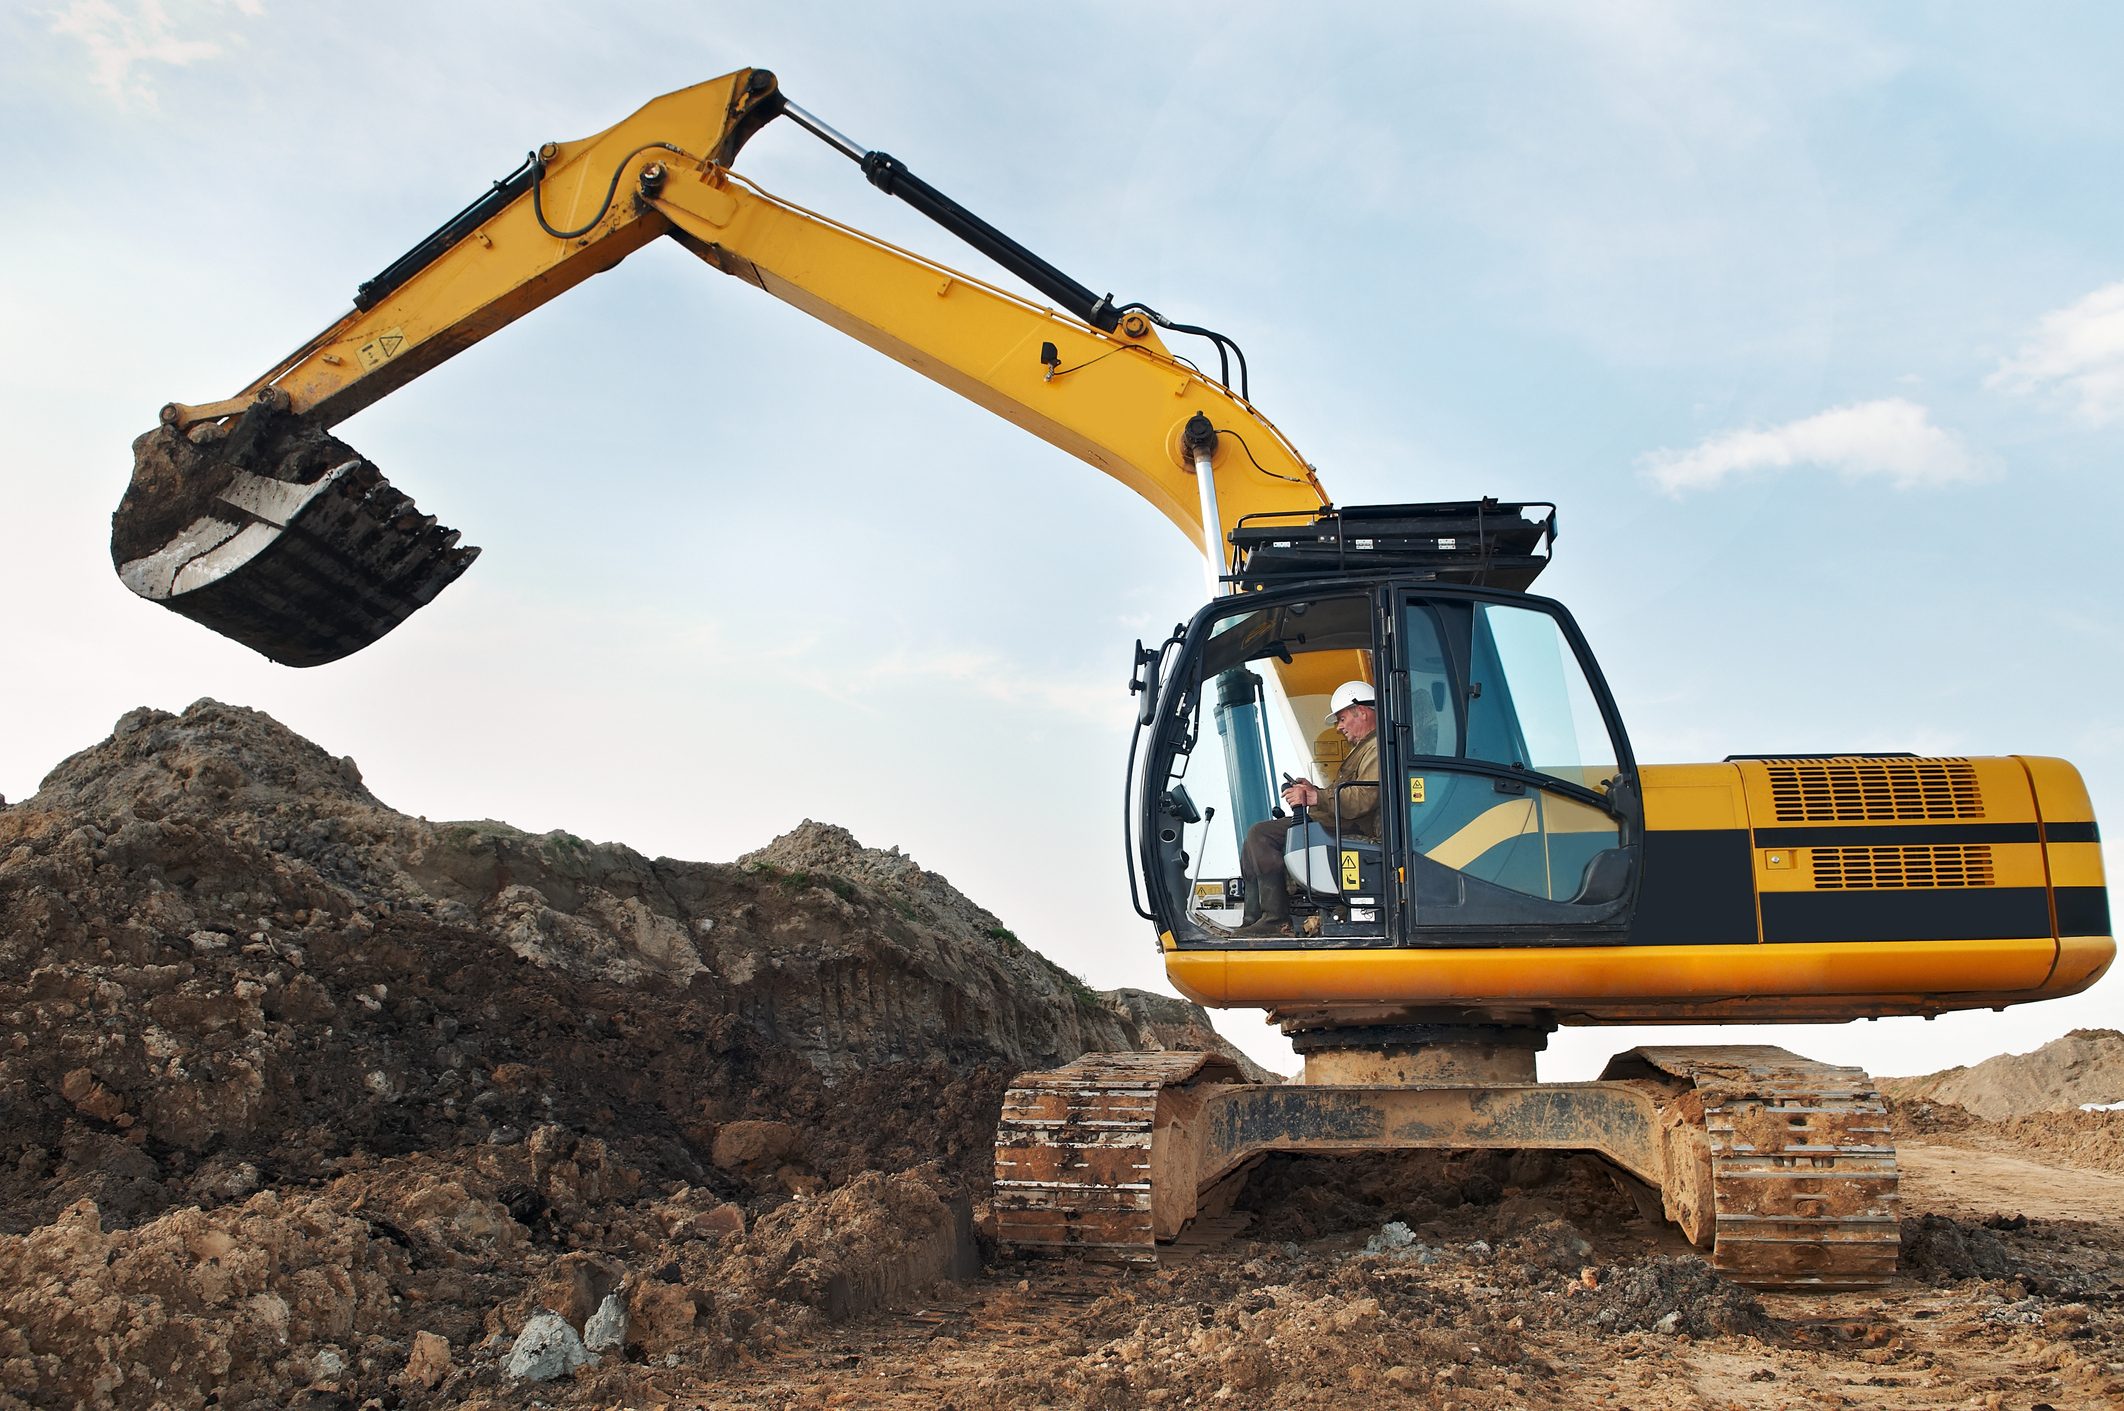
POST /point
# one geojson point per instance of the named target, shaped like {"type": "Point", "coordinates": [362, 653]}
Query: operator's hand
{"type": "Point", "coordinates": [1301, 793]}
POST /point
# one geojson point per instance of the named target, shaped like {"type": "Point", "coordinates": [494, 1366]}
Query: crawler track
{"type": "Point", "coordinates": [1803, 1172]}
{"type": "Point", "coordinates": [1785, 1166]}
{"type": "Point", "coordinates": [1073, 1155]}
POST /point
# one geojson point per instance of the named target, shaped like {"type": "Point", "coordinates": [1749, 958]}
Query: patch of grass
{"type": "Point", "coordinates": [1085, 997]}
{"type": "Point", "coordinates": [1082, 995]}
{"type": "Point", "coordinates": [801, 881]}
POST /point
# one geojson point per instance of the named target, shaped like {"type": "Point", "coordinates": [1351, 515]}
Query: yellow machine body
{"type": "Point", "coordinates": [1801, 890]}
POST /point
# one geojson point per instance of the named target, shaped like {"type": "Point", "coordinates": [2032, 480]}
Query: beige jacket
{"type": "Point", "coordinates": [1359, 807]}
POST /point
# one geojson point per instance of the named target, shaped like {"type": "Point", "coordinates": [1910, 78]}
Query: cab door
{"type": "Point", "coordinates": [1515, 782]}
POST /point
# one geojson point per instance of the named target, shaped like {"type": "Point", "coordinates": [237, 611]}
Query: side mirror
{"type": "Point", "coordinates": [1143, 682]}
{"type": "Point", "coordinates": [1176, 804]}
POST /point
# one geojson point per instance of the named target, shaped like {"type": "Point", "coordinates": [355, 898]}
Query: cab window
{"type": "Point", "coordinates": [1507, 767]}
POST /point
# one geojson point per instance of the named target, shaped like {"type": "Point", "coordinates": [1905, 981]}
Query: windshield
{"type": "Point", "coordinates": [1500, 683]}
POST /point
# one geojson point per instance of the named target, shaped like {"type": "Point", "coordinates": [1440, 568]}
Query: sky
{"type": "Point", "coordinates": [1809, 317]}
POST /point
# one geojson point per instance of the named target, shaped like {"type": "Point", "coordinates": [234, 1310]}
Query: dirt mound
{"type": "Point", "coordinates": [258, 1300]}
{"type": "Point", "coordinates": [463, 1072]}
{"type": "Point", "coordinates": [1169, 1023]}
{"type": "Point", "coordinates": [313, 1104]}
{"type": "Point", "coordinates": [2065, 1136]}
{"type": "Point", "coordinates": [1924, 1117]}
{"type": "Point", "coordinates": [2070, 1137]}
{"type": "Point", "coordinates": [2085, 1066]}
{"type": "Point", "coordinates": [1939, 1249]}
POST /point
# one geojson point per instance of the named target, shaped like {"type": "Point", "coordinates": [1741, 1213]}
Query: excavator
{"type": "Point", "coordinates": [1500, 866]}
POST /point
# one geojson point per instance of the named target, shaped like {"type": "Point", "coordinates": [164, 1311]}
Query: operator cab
{"type": "Point", "coordinates": [1502, 808]}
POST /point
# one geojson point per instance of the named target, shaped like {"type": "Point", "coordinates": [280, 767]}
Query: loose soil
{"type": "Point", "coordinates": [308, 1103]}
{"type": "Point", "coordinates": [177, 476]}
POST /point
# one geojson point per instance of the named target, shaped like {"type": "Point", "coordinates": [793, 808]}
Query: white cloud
{"type": "Point", "coordinates": [2078, 350]}
{"type": "Point", "coordinates": [1893, 439]}
{"type": "Point", "coordinates": [122, 39]}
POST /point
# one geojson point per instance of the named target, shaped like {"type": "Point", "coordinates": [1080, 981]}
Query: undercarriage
{"type": "Point", "coordinates": [1783, 1168]}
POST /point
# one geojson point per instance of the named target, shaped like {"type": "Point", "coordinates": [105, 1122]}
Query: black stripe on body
{"type": "Point", "coordinates": [2072, 833]}
{"type": "Point", "coordinates": [2083, 911]}
{"type": "Point", "coordinates": [1698, 889]}
{"type": "Point", "coordinates": [1942, 914]}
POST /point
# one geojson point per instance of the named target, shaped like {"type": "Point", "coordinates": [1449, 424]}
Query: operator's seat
{"type": "Point", "coordinates": [1311, 863]}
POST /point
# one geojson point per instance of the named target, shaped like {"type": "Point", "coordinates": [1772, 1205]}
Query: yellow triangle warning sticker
{"type": "Point", "coordinates": [382, 348]}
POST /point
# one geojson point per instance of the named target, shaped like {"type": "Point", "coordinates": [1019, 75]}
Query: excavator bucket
{"type": "Point", "coordinates": [277, 535]}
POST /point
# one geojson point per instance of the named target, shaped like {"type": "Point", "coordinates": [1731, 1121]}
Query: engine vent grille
{"type": "Point", "coordinates": [1872, 790]}
{"type": "Point", "coordinates": [1942, 865]}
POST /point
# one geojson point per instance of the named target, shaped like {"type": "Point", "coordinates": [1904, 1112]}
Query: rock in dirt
{"type": "Point", "coordinates": [662, 1316]}
{"type": "Point", "coordinates": [741, 1144]}
{"type": "Point", "coordinates": [606, 1329]}
{"type": "Point", "coordinates": [1675, 1295]}
{"type": "Point", "coordinates": [547, 1348]}
{"type": "Point", "coordinates": [429, 1361]}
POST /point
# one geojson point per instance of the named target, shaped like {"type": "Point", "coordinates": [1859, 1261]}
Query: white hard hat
{"type": "Point", "coordinates": [1351, 693]}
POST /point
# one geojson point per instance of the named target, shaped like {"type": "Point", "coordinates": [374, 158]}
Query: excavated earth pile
{"type": "Point", "coordinates": [2085, 1066]}
{"type": "Point", "coordinates": [291, 1079]}
{"type": "Point", "coordinates": [309, 1103]}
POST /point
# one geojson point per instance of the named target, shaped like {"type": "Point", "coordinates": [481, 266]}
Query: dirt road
{"type": "Point", "coordinates": [2010, 1299]}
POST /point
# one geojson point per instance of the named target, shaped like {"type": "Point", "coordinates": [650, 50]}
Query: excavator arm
{"type": "Point", "coordinates": [248, 516]}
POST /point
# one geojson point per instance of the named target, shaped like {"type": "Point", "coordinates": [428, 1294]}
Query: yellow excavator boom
{"type": "Point", "coordinates": [1114, 397]}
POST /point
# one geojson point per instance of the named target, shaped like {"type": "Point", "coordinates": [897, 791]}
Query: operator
{"type": "Point", "coordinates": [1353, 710]}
